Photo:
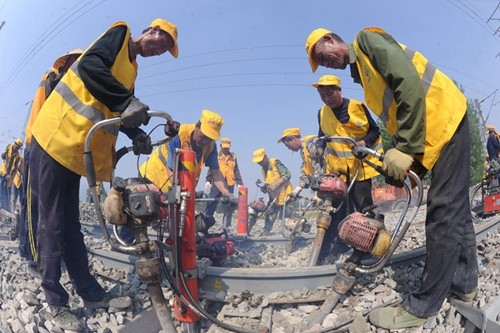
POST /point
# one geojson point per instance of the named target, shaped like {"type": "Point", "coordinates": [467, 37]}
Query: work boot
{"type": "Point", "coordinates": [119, 303]}
{"type": "Point", "coordinates": [63, 318]}
{"type": "Point", "coordinates": [392, 318]}
{"type": "Point", "coordinates": [464, 297]}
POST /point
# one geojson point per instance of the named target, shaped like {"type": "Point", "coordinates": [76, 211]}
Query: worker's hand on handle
{"type": "Point", "coordinates": [135, 114]}
{"type": "Point", "coordinates": [295, 193]}
{"type": "Point", "coordinates": [396, 164]}
{"type": "Point", "coordinates": [142, 144]}
{"type": "Point", "coordinates": [230, 199]}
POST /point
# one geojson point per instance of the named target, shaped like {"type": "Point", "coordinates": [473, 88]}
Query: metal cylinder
{"type": "Point", "coordinates": [187, 181]}
{"type": "Point", "coordinates": [242, 226]}
{"type": "Point", "coordinates": [322, 224]}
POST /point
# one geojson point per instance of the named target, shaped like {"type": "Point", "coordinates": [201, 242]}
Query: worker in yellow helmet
{"type": "Point", "coordinates": [228, 166]}
{"type": "Point", "coordinates": [29, 216]}
{"type": "Point", "coordinates": [276, 185]}
{"type": "Point", "coordinates": [340, 116]}
{"type": "Point", "coordinates": [200, 137]}
{"type": "Point", "coordinates": [312, 162]}
{"type": "Point", "coordinates": [98, 86]}
{"type": "Point", "coordinates": [492, 144]}
{"type": "Point", "coordinates": [10, 158]}
{"type": "Point", "coordinates": [426, 114]}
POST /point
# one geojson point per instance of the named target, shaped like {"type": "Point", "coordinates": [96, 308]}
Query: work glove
{"type": "Point", "coordinates": [396, 164]}
{"type": "Point", "coordinates": [135, 114]}
{"type": "Point", "coordinates": [230, 199]}
{"type": "Point", "coordinates": [295, 192]}
{"type": "Point", "coordinates": [142, 144]}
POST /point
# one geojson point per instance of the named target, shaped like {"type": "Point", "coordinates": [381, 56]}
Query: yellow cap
{"type": "Point", "coordinates": [225, 143]}
{"type": "Point", "coordinates": [62, 59]}
{"type": "Point", "coordinates": [211, 124]}
{"type": "Point", "coordinates": [327, 80]}
{"type": "Point", "coordinates": [19, 142]}
{"type": "Point", "coordinates": [311, 41]}
{"type": "Point", "coordinates": [170, 29]}
{"type": "Point", "coordinates": [289, 132]}
{"type": "Point", "coordinates": [258, 155]}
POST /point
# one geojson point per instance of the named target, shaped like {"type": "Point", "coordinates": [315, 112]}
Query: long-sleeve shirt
{"type": "Point", "coordinates": [394, 65]}
{"type": "Point", "coordinates": [94, 69]}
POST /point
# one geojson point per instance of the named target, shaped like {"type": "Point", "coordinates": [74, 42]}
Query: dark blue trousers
{"type": "Point", "coordinates": [212, 206]}
{"type": "Point", "coordinates": [59, 234]}
{"type": "Point", "coordinates": [451, 259]}
{"type": "Point", "coordinates": [26, 230]}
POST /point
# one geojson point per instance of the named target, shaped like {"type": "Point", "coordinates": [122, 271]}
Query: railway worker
{"type": "Point", "coordinates": [312, 162]}
{"type": "Point", "coordinates": [17, 182]}
{"type": "Point", "coordinates": [276, 185]}
{"type": "Point", "coordinates": [98, 86]}
{"type": "Point", "coordinates": [426, 114]}
{"type": "Point", "coordinates": [228, 166]}
{"type": "Point", "coordinates": [200, 138]}
{"type": "Point", "coordinates": [7, 170]}
{"type": "Point", "coordinates": [28, 223]}
{"type": "Point", "coordinates": [492, 145]}
{"type": "Point", "coordinates": [340, 116]}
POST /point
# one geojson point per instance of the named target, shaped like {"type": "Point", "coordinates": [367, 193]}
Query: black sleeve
{"type": "Point", "coordinates": [95, 70]}
{"type": "Point", "coordinates": [373, 132]}
{"type": "Point", "coordinates": [320, 143]}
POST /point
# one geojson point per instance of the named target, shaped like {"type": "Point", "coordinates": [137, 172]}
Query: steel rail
{"type": "Point", "coordinates": [217, 281]}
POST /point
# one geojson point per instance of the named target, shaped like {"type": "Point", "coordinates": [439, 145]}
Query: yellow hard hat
{"type": "Point", "coordinates": [225, 143]}
{"type": "Point", "coordinates": [258, 155]}
{"type": "Point", "coordinates": [62, 59]}
{"type": "Point", "coordinates": [211, 124]}
{"type": "Point", "coordinates": [311, 41]}
{"type": "Point", "coordinates": [19, 142]}
{"type": "Point", "coordinates": [327, 80]}
{"type": "Point", "coordinates": [289, 132]}
{"type": "Point", "coordinates": [170, 29]}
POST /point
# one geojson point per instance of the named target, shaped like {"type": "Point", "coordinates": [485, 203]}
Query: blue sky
{"type": "Point", "coordinates": [244, 59]}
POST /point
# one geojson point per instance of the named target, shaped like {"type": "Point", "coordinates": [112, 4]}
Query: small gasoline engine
{"type": "Point", "coordinates": [365, 233]}
{"type": "Point", "coordinates": [332, 189]}
{"type": "Point", "coordinates": [214, 247]}
{"type": "Point", "coordinates": [144, 203]}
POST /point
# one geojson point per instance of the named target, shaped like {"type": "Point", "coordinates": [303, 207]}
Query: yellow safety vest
{"type": "Point", "coordinates": [445, 104]}
{"type": "Point", "coordinates": [18, 179]}
{"type": "Point", "coordinates": [71, 110]}
{"type": "Point", "coordinates": [9, 163]}
{"type": "Point", "coordinates": [5, 161]}
{"type": "Point", "coordinates": [273, 175]}
{"type": "Point", "coordinates": [339, 155]}
{"type": "Point", "coordinates": [226, 166]}
{"type": "Point", "coordinates": [155, 168]}
{"type": "Point", "coordinates": [307, 167]}
{"type": "Point", "coordinates": [41, 95]}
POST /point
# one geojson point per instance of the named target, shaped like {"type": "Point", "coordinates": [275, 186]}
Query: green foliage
{"type": "Point", "coordinates": [477, 141]}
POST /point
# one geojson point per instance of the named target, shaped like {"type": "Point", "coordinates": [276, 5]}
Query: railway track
{"type": "Point", "coordinates": [217, 282]}
{"type": "Point", "coordinates": [268, 280]}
